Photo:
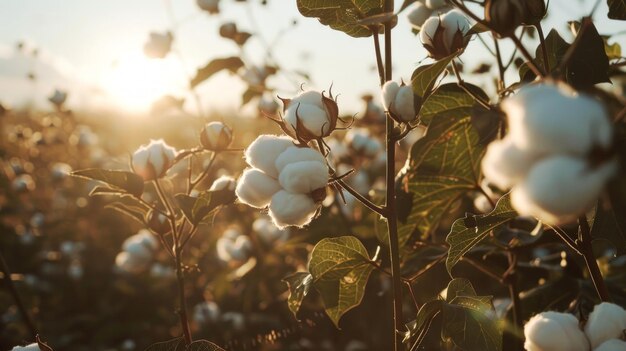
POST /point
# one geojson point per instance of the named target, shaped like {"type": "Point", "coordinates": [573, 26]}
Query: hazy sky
{"type": "Point", "coordinates": [94, 50]}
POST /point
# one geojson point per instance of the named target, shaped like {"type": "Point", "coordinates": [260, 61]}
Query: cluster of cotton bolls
{"type": "Point", "coordinates": [137, 253]}
{"type": "Point", "coordinates": [555, 156]}
{"type": "Point", "coordinates": [446, 34]}
{"type": "Point", "coordinates": [290, 179]}
{"type": "Point", "coordinates": [424, 9]}
{"type": "Point", "coordinates": [554, 331]}
{"type": "Point", "coordinates": [234, 247]}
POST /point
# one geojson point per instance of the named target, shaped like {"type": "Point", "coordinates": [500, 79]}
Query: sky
{"type": "Point", "coordinates": [93, 49]}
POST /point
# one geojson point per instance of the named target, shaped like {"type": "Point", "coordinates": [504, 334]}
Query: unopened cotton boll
{"type": "Point", "coordinates": [297, 154]}
{"type": "Point", "coordinates": [153, 160]}
{"type": "Point", "coordinates": [304, 177]}
{"type": "Point", "coordinates": [158, 45]}
{"type": "Point", "coordinates": [551, 119]}
{"type": "Point", "coordinates": [606, 321]}
{"type": "Point", "coordinates": [504, 164]}
{"type": "Point", "coordinates": [288, 209]}
{"type": "Point", "coordinates": [612, 345]}
{"type": "Point", "coordinates": [223, 183]}
{"type": "Point", "coordinates": [559, 189]}
{"type": "Point", "coordinates": [445, 35]}
{"type": "Point", "coordinates": [553, 331]}
{"type": "Point", "coordinates": [216, 136]}
{"type": "Point", "coordinates": [31, 347]}
{"type": "Point", "coordinates": [256, 188]}
{"type": "Point", "coordinates": [399, 100]}
{"type": "Point", "coordinates": [264, 151]}
{"type": "Point", "coordinates": [268, 232]}
{"type": "Point", "coordinates": [419, 14]}
{"type": "Point", "coordinates": [238, 248]}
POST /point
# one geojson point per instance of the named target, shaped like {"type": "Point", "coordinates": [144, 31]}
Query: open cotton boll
{"type": "Point", "coordinates": [504, 164]}
{"type": "Point", "coordinates": [550, 119]}
{"type": "Point", "coordinates": [312, 117]}
{"type": "Point", "coordinates": [130, 263]}
{"type": "Point", "coordinates": [403, 106]}
{"type": "Point", "coordinates": [288, 209]}
{"type": "Point", "coordinates": [606, 321]}
{"type": "Point", "coordinates": [388, 93]}
{"type": "Point", "coordinates": [264, 151]}
{"type": "Point", "coordinates": [223, 183]}
{"type": "Point", "coordinates": [297, 154]}
{"type": "Point", "coordinates": [612, 345]}
{"type": "Point", "coordinates": [237, 249]}
{"type": "Point", "coordinates": [455, 24]}
{"type": "Point", "coordinates": [559, 189]}
{"type": "Point", "coordinates": [553, 331]}
{"type": "Point", "coordinates": [31, 347]}
{"type": "Point", "coordinates": [445, 35]}
{"type": "Point", "coordinates": [256, 188]}
{"type": "Point", "coordinates": [152, 161]}
{"type": "Point", "coordinates": [268, 232]}
{"type": "Point", "coordinates": [428, 30]}
{"type": "Point", "coordinates": [143, 239]}
{"type": "Point", "coordinates": [304, 177]}
{"type": "Point", "coordinates": [419, 14]}
{"type": "Point", "coordinates": [309, 97]}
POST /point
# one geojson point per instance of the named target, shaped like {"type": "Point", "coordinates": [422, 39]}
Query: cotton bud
{"type": "Point", "coordinates": [297, 154]}
{"type": "Point", "coordinates": [216, 136]}
{"type": "Point", "coordinates": [256, 188]}
{"type": "Point", "coordinates": [268, 232]}
{"type": "Point", "coordinates": [153, 160]}
{"type": "Point", "coordinates": [553, 331]}
{"type": "Point", "coordinates": [559, 189]}
{"type": "Point", "coordinates": [419, 14]}
{"type": "Point", "coordinates": [233, 246]}
{"type": "Point", "coordinates": [264, 151]}
{"type": "Point", "coordinates": [504, 164]}
{"type": "Point", "coordinates": [547, 118]}
{"type": "Point", "coordinates": [228, 30]}
{"type": "Point", "coordinates": [445, 35]}
{"type": "Point", "coordinates": [399, 100]}
{"type": "Point", "coordinates": [211, 6]}
{"type": "Point", "coordinates": [435, 4]}
{"type": "Point", "coordinates": [224, 183]}
{"type": "Point", "coordinates": [607, 321]}
{"type": "Point", "coordinates": [31, 347]}
{"type": "Point", "coordinates": [304, 177]}
{"type": "Point", "coordinates": [58, 98]}
{"type": "Point", "coordinates": [206, 312]}
{"type": "Point", "coordinates": [309, 116]}
{"type": "Point", "coordinates": [288, 209]}
{"type": "Point", "coordinates": [504, 16]}
{"type": "Point", "coordinates": [612, 345]}
{"type": "Point", "coordinates": [159, 45]}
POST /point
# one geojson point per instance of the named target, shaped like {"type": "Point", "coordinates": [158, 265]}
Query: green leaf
{"type": "Point", "coordinates": [613, 51]}
{"type": "Point", "coordinates": [589, 64]}
{"type": "Point", "coordinates": [443, 166]}
{"type": "Point", "coordinates": [203, 345]}
{"type": "Point", "coordinates": [177, 344]}
{"type": "Point", "coordinates": [120, 180]}
{"type": "Point", "coordinates": [556, 47]}
{"type": "Point", "coordinates": [419, 327]}
{"type": "Point", "coordinates": [448, 97]}
{"type": "Point", "coordinates": [463, 237]}
{"type": "Point", "coordinates": [617, 9]}
{"type": "Point", "coordinates": [196, 209]}
{"type": "Point", "coordinates": [230, 63]}
{"type": "Point", "coordinates": [298, 284]}
{"type": "Point", "coordinates": [467, 324]}
{"type": "Point", "coordinates": [610, 226]}
{"type": "Point", "coordinates": [343, 15]}
{"type": "Point", "coordinates": [424, 77]}
{"type": "Point", "coordinates": [340, 268]}
{"type": "Point", "coordinates": [459, 287]}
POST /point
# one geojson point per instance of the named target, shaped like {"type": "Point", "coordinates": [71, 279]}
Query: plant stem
{"type": "Point", "coordinates": [16, 297]}
{"type": "Point", "coordinates": [501, 68]}
{"type": "Point", "coordinates": [180, 276]}
{"type": "Point", "coordinates": [585, 247]}
{"type": "Point", "coordinates": [462, 85]}
{"type": "Point", "coordinates": [511, 281]}
{"type": "Point", "coordinates": [390, 206]}
{"type": "Point", "coordinates": [544, 50]}
{"type": "Point", "coordinates": [379, 59]}
{"type": "Point", "coordinates": [529, 59]}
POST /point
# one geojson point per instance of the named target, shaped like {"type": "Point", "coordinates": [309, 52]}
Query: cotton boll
{"type": "Point", "coordinates": [445, 35]}
{"type": "Point", "coordinates": [389, 92]}
{"type": "Point", "coordinates": [206, 312]}
{"type": "Point", "coordinates": [256, 188]}
{"type": "Point", "coordinates": [455, 24]}
{"type": "Point", "coordinates": [296, 154]}
{"type": "Point", "coordinates": [404, 104]}
{"type": "Point", "coordinates": [31, 347]}
{"type": "Point", "coordinates": [313, 118]}
{"type": "Point", "coordinates": [288, 209]}
{"type": "Point", "coordinates": [612, 345]}
{"type": "Point", "coordinates": [132, 264]}
{"type": "Point", "coordinates": [143, 237]}
{"type": "Point", "coordinates": [559, 189]}
{"type": "Point", "coordinates": [237, 249]}
{"type": "Point", "coordinates": [551, 119]}
{"type": "Point", "coordinates": [360, 141]}
{"type": "Point", "coordinates": [435, 4]}
{"type": "Point", "coordinates": [153, 160]}
{"type": "Point", "coordinates": [428, 30]}
{"type": "Point", "coordinates": [419, 14]}
{"type": "Point", "coordinates": [504, 164]}
{"type": "Point", "coordinates": [553, 331]}
{"type": "Point", "coordinates": [223, 183]}
{"type": "Point", "coordinates": [268, 232]}
{"type": "Point", "coordinates": [216, 136]}
{"type": "Point", "coordinates": [304, 177]}
{"type": "Point", "coordinates": [606, 321]}
{"type": "Point", "coordinates": [264, 151]}
{"type": "Point", "coordinates": [309, 97]}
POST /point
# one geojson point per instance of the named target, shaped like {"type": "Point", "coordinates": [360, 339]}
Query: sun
{"type": "Point", "coordinates": [135, 81]}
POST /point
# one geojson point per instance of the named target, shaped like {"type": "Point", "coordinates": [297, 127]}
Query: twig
{"type": "Point", "coordinates": [529, 59]}
{"type": "Point", "coordinates": [510, 278]}
{"type": "Point", "coordinates": [544, 50]}
{"type": "Point", "coordinates": [462, 85]}
{"type": "Point", "coordinates": [584, 243]}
